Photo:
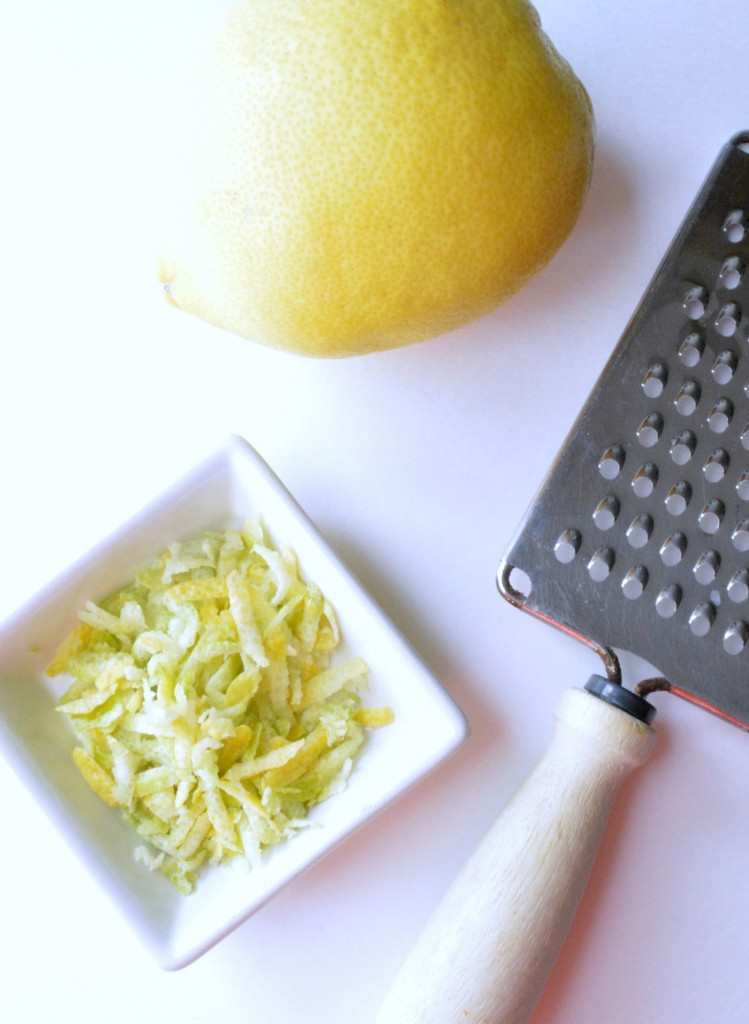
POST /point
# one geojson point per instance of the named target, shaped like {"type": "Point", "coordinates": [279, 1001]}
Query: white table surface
{"type": "Point", "coordinates": [416, 465]}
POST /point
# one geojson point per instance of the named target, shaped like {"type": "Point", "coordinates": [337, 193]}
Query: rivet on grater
{"type": "Point", "coordinates": [735, 638]}
{"type": "Point", "coordinates": [668, 601]}
{"type": "Point", "coordinates": [634, 582]}
{"type": "Point", "coordinates": [673, 548]}
{"type": "Point", "coordinates": [706, 567]}
{"type": "Point", "coordinates": [716, 465]}
{"type": "Point", "coordinates": [702, 618]}
{"type": "Point", "coordinates": [738, 586]}
{"type": "Point", "coordinates": [646, 478]}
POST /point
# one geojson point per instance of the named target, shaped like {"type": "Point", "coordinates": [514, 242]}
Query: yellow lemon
{"type": "Point", "coordinates": [370, 173]}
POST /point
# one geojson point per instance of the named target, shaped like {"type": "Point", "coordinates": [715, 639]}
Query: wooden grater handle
{"type": "Point", "coordinates": [489, 948]}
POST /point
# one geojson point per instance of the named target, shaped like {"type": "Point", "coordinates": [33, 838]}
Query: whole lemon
{"type": "Point", "coordinates": [370, 173]}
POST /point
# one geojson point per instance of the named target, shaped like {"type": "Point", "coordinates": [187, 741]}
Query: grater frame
{"type": "Point", "coordinates": [638, 539]}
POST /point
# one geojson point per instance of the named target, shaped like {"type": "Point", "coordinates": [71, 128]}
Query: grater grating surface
{"type": "Point", "coordinates": [639, 538]}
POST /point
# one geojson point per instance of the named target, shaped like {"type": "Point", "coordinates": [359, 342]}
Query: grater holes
{"type": "Point", "coordinates": [720, 416]}
{"type": "Point", "coordinates": [634, 582]}
{"type": "Point", "coordinates": [611, 462]}
{"type": "Point", "coordinates": [650, 429]}
{"type": "Point", "coordinates": [640, 449]}
{"type": "Point", "coordinates": [702, 618]}
{"type": "Point", "coordinates": [724, 367]}
{"type": "Point", "coordinates": [711, 516]}
{"type": "Point", "coordinates": [716, 466]}
{"type": "Point", "coordinates": [745, 437]}
{"type": "Point", "coordinates": [735, 637]}
{"type": "Point", "coordinates": [668, 600]}
{"type": "Point", "coordinates": [695, 301]}
{"type": "Point", "coordinates": [678, 498]}
{"type": "Point", "coordinates": [567, 546]}
{"type": "Point", "coordinates": [601, 564]}
{"type": "Point", "coordinates": [655, 379]}
{"type": "Point", "coordinates": [691, 349]}
{"type": "Point", "coordinates": [685, 364]}
{"type": "Point", "coordinates": [606, 512]}
{"type": "Point", "coordinates": [740, 536]}
{"type": "Point", "coordinates": [646, 477]}
{"type": "Point", "coordinates": [687, 398]}
{"type": "Point", "coordinates": [727, 320]}
{"type": "Point", "coordinates": [682, 447]}
{"type": "Point", "coordinates": [731, 272]}
{"type": "Point", "coordinates": [706, 567]}
{"type": "Point", "coordinates": [738, 586]}
{"type": "Point", "coordinates": [639, 530]}
{"type": "Point", "coordinates": [742, 486]}
{"type": "Point", "coordinates": [734, 226]}
{"type": "Point", "coordinates": [672, 549]}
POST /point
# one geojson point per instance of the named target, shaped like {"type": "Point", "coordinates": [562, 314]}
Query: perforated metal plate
{"type": "Point", "coordinates": [639, 537]}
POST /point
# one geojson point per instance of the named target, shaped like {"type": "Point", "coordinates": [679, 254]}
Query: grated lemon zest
{"type": "Point", "coordinates": [206, 705]}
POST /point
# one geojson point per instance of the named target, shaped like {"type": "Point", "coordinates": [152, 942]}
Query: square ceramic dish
{"type": "Point", "coordinates": [223, 491]}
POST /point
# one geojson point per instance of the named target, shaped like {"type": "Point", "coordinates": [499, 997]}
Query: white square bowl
{"type": "Point", "coordinates": [221, 492]}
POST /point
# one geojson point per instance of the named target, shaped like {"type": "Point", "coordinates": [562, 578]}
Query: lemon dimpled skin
{"type": "Point", "coordinates": [374, 173]}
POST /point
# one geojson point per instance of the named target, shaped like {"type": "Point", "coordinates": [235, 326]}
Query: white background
{"type": "Point", "coordinates": [416, 465]}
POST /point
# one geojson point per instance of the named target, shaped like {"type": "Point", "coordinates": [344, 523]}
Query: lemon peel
{"type": "Point", "coordinates": [371, 174]}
